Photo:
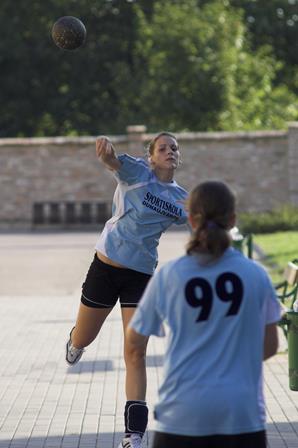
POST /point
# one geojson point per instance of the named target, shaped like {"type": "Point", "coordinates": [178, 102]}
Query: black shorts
{"type": "Point", "coordinates": [105, 284]}
{"type": "Point", "coordinates": [247, 440]}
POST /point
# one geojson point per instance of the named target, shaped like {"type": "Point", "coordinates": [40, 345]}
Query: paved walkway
{"type": "Point", "coordinates": [46, 404]}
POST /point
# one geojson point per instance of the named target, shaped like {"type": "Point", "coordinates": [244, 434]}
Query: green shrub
{"type": "Point", "coordinates": [281, 219]}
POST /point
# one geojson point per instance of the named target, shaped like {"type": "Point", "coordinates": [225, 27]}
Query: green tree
{"type": "Point", "coordinates": [200, 75]}
{"type": "Point", "coordinates": [180, 64]}
{"type": "Point", "coordinates": [275, 23]}
{"type": "Point", "coordinates": [48, 91]}
{"type": "Point", "coordinates": [253, 101]}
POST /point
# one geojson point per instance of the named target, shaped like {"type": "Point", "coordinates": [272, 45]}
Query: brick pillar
{"type": "Point", "coordinates": [135, 140]}
{"type": "Point", "coordinates": [293, 162]}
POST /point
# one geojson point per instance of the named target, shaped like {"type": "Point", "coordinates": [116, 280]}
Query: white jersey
{"type": "Point", "coordinates": [143, 208]}
{"type": "Point", "coordinates": [216, 315]}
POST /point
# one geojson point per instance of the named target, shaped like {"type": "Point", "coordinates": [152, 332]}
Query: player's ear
{"type": "Point", "coordinates": [232, 222]}
{"type": "Point", "coordinates": [192, 222]}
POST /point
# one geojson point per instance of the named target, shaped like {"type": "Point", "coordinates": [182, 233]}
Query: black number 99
{"type": "Point", "coordinates": [199, 294]}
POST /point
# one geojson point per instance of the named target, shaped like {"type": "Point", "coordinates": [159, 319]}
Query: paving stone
{"type": "Point", "coordinates": [44, 403]}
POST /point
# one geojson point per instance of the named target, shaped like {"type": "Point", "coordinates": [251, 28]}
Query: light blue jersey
{"type": "Point", "coordinates": [216, 316]}
{"type": "Point", "coordinates": [143, 208]}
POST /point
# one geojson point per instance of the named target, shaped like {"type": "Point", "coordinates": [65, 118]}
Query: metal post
{"type": "Point", "coordinates": [292, 318]}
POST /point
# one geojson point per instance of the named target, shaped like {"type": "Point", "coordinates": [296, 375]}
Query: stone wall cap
{"type": "Point", "coordinates": [136, 128]}
{"type": "Point", "coordinates": [222, 135]}
{"type": "Point", "coordinates": [293, 124]}
{"type": "Point", "coordinates": [35, 141]}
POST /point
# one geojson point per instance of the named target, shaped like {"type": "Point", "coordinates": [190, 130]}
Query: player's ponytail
{"type": "Point", "coordinates": [211, 206]}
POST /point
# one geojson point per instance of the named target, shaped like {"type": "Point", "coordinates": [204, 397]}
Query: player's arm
{"type": "Point", "coordinates": [270, 341]}
{"type": "Point", "coordinates": [106, 153]}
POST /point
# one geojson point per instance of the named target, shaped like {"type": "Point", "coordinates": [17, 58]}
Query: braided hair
{"type": "Point", "coordinates": [211, 205]}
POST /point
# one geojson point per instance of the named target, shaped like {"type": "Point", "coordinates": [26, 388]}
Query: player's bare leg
{"type": "Point", "coordinates": [88, 325]}
{"type": "Point", "coordinates": [136, 380]}
{"type": "Point", "coordinates": [136, 411]}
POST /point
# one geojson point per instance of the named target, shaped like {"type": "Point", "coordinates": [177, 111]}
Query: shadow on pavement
{"type": "Point", "coordinates": [102, 365]}
{"type": "Point", "coordinates": [90, 440]}
{"type": "Point", "coordinates": [112, 439]}
{"type": "Point", "coordinates": [154, 361]}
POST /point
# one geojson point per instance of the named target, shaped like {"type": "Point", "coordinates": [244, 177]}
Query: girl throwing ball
{"type": "Point", "coordinates": [147, 201]}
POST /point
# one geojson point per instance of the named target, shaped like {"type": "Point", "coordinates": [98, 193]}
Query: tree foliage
{"type": "Point", "coordinates": [275, 23]}
{"type": "Point", "coordinates": [203, 75]}
{"type": "Point", "coordinates": [179, 65]}
{"type": "Point", "coordinates": [48, 91]}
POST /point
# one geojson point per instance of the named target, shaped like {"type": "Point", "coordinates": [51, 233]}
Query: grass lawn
{"type": "Point", "coordinates": [279, 247]}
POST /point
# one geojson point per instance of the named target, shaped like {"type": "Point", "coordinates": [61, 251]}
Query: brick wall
{"type": "Point", "coordinates": [262, 167]}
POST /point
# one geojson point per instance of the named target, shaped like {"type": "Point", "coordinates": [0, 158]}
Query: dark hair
{"type": "Point", "coordinates": [212, 206]}
{"type": "Point", "coordinates": [151, 145]}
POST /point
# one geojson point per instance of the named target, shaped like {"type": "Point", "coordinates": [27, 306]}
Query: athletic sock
{"type": "Point", "coordinates": [135, 417]}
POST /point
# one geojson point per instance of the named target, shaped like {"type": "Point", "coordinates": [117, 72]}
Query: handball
{"type": "Point", "coordinates": [68, 33]}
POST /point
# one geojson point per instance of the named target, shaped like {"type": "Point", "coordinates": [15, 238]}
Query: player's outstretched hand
{"type": "Point", "coordinates": [104, 147]}
{"type": "Point", "coordinates": [105, 151]}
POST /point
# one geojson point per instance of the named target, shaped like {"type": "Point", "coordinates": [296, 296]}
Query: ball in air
{"type": "Point", "coordinates": [69, 33]}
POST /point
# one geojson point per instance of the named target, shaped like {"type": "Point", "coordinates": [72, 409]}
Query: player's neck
{"type": "Point", "coordinates": [164, 175]}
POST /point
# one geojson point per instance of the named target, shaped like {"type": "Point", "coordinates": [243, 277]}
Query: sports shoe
{"type": "Point", "coordinates": [73, 354]}
{"type": "Point", "coordinates": [133, 441]}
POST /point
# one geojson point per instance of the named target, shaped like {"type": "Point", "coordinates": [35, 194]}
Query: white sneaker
{"type": "Point", "coordinates": [73, 354]}
{"type": "Point", "coordinates": [133, 441]}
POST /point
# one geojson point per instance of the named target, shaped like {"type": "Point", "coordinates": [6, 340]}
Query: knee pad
{"type": "Point", "coordinates": [135, 417]}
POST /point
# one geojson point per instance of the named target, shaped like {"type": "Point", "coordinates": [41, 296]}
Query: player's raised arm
{"type": "Point", "coordinates": [106, 153]}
